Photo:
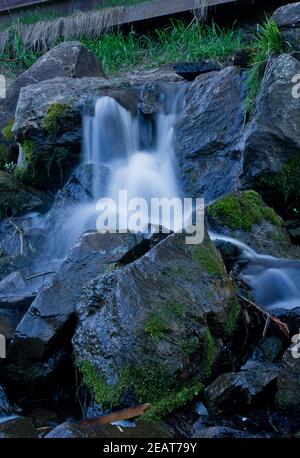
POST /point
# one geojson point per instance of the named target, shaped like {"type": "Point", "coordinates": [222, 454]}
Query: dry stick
{"type": "Point", "coordinates": [282, 326]}
{"type": "Point", "coordinates": [19, 230]}
{"type": "Point", "coordinates": [124, 414]}
{"type": "Point", "coordinates": [41, 274]}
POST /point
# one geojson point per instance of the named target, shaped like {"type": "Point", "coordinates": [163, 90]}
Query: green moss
{"type": "Point", "coordinates": [209, 259]}
{"type": "Point", "coordinates": [209, 354]}
{"type": "Point", "coordinates": [242, 211]}
{"type": "Point", "coordinates": [286, 183]}
{"type": "Point", "coordinates": [156, 327]}
{"type": "Point", "coordinates": [7, 131]}
{"type": "Point", "coordinates": [232, 318]}
{"type": "Point", "coordinates": [4, 155]}
{"type": "Point", "coordinates": [173, 401]}
{"type": "Point", "coordinates": [178, 310]}
{"type": "Point", "coordinates": [55, 117]}
{"type": "Point", "coordinates": [190, 345]}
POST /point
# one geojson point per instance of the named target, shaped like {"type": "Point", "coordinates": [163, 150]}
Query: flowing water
{"type": "Point", "coordinates": [275, 282]}
{"type": "Point", "coordinates": [135, 153]}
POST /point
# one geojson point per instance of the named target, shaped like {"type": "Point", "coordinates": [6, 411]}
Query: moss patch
{"type": "Point", "coordinates": [177, 310]}
{"type": "Point", "coordinates": [148, 384]}
{"type": "Point", "coordinates": [209, 354]}
{"type": "Point", "coordinates": [156, 327]}
{"type": "Point", "coordinates": [7, 131]}
{"type": "Point", "coordinates": [56, 114]}
{"type": "Point", "coordinates": [4, 155]}
{"type": "Point", "coordinates": [209, 259]}
{"type": "Point", "coordinates": [232, 318]}
{"type": "Point", "coordinates": [242, 211]}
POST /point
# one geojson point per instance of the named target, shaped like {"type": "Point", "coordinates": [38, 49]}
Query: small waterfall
{"type": "Point", "coordinates": [275, 282]}
{"type": "Point", "coordinates": [114, 144]}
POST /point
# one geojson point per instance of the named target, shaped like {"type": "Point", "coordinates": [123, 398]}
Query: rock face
{"type": "Point", "coordinates": [207, 135]}
{"type": "Point", "coordinates": [287, 19]}
{"type": "Point", "coordinates": [69, 59]}
{"type": "Point", "coordinates": [236, 390]}
{"type": "Point", "coordinates": [18, 428]}
{"type": "Point", "coordinates": [50, 316]}
{"type": "Point", "coordinates": [5, 406]}
{"type": "Point", "coordinates": [244, 216]}
{"type": "Point", "coordinates": [288, 394]}
{"type": "Point", "coordinates": [48, 121]}
{"type": "Point", "coordinates": [143, 328]}
{"type": "Point", "coordinates": [272, 138]}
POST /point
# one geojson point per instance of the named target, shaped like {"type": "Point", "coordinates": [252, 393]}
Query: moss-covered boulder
{"type": "Point", "coordinates": [16, 198]}
{"type": "Point", "coordinates": [245, 216]}
{"type": "Point", "coordinates": [153, 330]}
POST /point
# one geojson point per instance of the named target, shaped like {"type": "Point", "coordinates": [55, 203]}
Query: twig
{"type": "Point", "coordinates": [282, 326]}
{"type": "Point", "coordinates": [41, 274]}
{"type": "Point", "coordinates": [125, 414]}
{"type": "Point", "coordinates": [20, 231]}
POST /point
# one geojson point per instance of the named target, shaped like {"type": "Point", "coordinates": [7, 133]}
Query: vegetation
{"type": "Point", "coordinates": [209, 259]}
{"type": "Point", "coordinates": [267, 41]}
{"type": "Point", "coordinates": [156, 327]}
{"type": "Point", "coordinates": [7, 131]}
{"type": "Point", "coordinates": [121, 52]}
{"type": "Point", "coordinates": [210, 351]}
{"type": "Point", "coordinates": [148, 384]}
{"type": "Point", "coordinates": [232, 318]}
{"type": "Point", "coordinates": [242, 211]}
{"type": "Point", "coordinates": [55, 117]}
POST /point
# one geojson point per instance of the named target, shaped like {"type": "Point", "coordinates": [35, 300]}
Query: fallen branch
{"type": "Point", "coordinates": [268, 317]}
{"type": "Point", "coordinates": [124, 414]}
{"type": "Point", "coordinates": [41, 274]}
{"type": "Point", "coordinates": [20, 231]}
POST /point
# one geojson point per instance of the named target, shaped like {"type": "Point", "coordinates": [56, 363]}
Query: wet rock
{"type": "Point", "coordinates": [169, 309]}
{"type": "Point", "coordinates": [267, 351]}
{"type": "Point", "coordinates": [68, 59]}
{"type": "Point", "coordinates": [287, 18]}
{"type": "Point", "coordinates": [234, 391]}
{"type": "Point", "coordinates": [207, 135]}
{"type": "Point", "coordinates": [48, 324]}
{"type": "Point", "coordinates": [246, 217]}
{"type": "Point", "coordinates": [15, 198]}
{"type": "Point", "coordinates": [17, 428]}
{"type": "Point", "coordinates": [6, 407]}
{"type": "Point", "coordinates": [290, 317]}
{"type": "Point", "coordinates": [288, 384]}
{"type": "Point", "coordinates": [272, 137]}
{"type": "Point", "coordinates": [221, 432]}
{"type": "Point", "coordinates": [190, 70]}
{"type": "Point", "coordinates": [141, 429]}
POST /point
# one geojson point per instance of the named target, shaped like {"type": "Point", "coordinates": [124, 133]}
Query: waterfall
{"type": "Point", "coordinates": [275, 282]}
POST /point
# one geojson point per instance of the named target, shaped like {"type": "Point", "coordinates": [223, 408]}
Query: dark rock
{"type": "Point", "coordinates": [293, 229]}
{"type": "Point", "coordinates": [272, 137]}
{"type": "Point", "coordinates": [172, 302]}
{"type": "Point", "coordinates": [141, 429]}
{"type": "Point", "coordinates": [267, 351]}
{"type": "Point", "coordinates": [287, 18]}
{"type": "Point", "coordinates": [290, 317]}
{"type": "Point", "coordinates": [207, 135]}
{"type": "Point", "coordinates": [288, 384]}
{"type": "Point", "coordinates": [245, 217]}
{"type": "Point", "coordinates": [68, 59]}
{"type": "Point", "coordinates": [242, 58]}
{"type": "Point", "coordinates": [190, 70]}
{"type": "Point", "coordinates": [221, 432]}
{"type": "Point", "coordinates": [48, 323]}
{"type": "Point", "coordinates": [234, 391]}
{"type": "Point", "coordinates": [5, 406]}
{"type": "Point", "coordinates": [15, 198]}
{"type": "Point", "coordinates": [18, 428]}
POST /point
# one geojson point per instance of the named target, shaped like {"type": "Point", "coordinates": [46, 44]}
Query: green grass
{"type": "Point", "coordinates": [267, 42]}
{"type": "Point", "coordinates": [117, 51]}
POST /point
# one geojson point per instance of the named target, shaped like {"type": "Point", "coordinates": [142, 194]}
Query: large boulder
{"type": "Point", "coordinates": [208, 133]}
{"type": "Point", "coordinates": [234, 391]}
{"type": "Point", "coordinates": [287, 18]}
{"type": "Point", "coordinates": [149, 332]}
{"type": "Point", "coordinates": [48, 324]}
{"type": "Point", "coordinates": [288, 394]}
{"type": "Point", "coordinates": [68, 59]}
{"type": "Point", "coordinates": [272, 137]}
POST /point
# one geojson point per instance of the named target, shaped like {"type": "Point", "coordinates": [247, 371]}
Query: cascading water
{"type": "Point", "coordinates": [275, 282]}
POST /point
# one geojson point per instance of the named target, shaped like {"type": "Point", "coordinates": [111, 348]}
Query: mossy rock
{"type": "Point", "coordinates": [16, 198]}
{"type": "Point", "coordinates": [55, 118]}
{"type": "Point", "coordinates": [7, 131]}
{"type": "Point", "coordinates": [245, 216]}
